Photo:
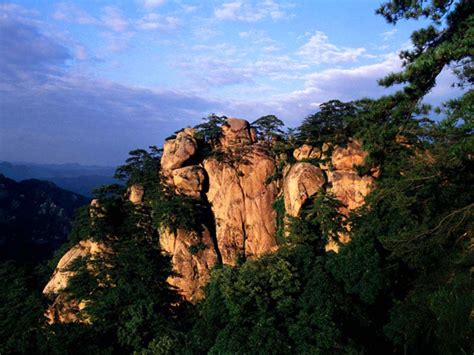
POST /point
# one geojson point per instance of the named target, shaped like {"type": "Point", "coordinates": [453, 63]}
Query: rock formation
{"type": "Point", "coordinates": [63, 309]}
{"type": "Point", "coordinates": [233, 183]}
{"type": "Point", "coordinates": [239, 200]}
{"type": "Point", "coordinates": [179, 150]}
{"type": "Point", "coordinates": [301, 181]}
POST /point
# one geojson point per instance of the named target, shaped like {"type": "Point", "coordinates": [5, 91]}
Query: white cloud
{"type": "Point", "coordinates": [248, 12]}
{"type": "Point", "coordinates": [113, 19]}
{"type": "Point", "coordinates": [70, 13]}
{"type": "Point", "coordinates": [341, 84]}
{"type": "Point", "coordinates": [388, 35]}
{"type": "Point", "coordinates": [189, 8]}
{"type": "Point", "coordinates": [151, 4]}
{"type": "Point", "coordinates": [154, 21]}
{"type": "Point", "coordinates": [117, 42]}
{"type": "Point", "coordinates": [319, 50]}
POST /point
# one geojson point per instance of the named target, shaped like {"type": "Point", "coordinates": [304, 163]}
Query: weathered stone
{"type": "Point", "coordinates": [135, 194]}
{"type": "Point", "coordinates": [62, 274]}
{"type": "Point", "coordinates": [189, 180]}
{"type": "Point", "coordinates": [350, 188]}
{"type": "Point", "coordinates": [301, 181]}
{"type": "Point", "coordinates": [96, 210]}
{"type": "Point", "coordinates": [193, 256]}
{"type": "Point", "coordinates": [177, 151]}
{"type": "Point", "coordinates": [64, 309]}
{"type": "Point", "coordinates": [235, 132]}
{"type": "Point", "coordinates": [347, 158]}
{"type": "Point", "coordinates": [306, 151]}
{"type": "Point", "coordinates": [242, 204]}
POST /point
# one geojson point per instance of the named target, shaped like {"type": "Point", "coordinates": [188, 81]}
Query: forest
{"type": "Point", "coordinates": [403, 284]}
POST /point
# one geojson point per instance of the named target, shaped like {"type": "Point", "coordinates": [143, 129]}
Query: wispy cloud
{"type": "Point", "coordinates": [69, 12]}
{"type": "Point", "coordinates": [248, 12]}
{"type": "Point", "coordinates": [47, 111]}
{"type": "Point", "coordinates": [154, 21]}
{"type": "Point", "coordinates": [117, 41]}
{"type": "Point", "coordinates": [388, 35]}
{"type": "Point", "coordinates": [320, 50]}
{"type": "Point", "coordinates": [113, 19]}
{"type": "Point", "coordinates": [151, 4]}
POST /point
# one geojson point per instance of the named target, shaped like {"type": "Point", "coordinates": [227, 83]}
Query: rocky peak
{"type": "Point", "coordinates": [235, 186]}
{"type": "Point", "coordinates": [177, 151]}
{"type": "Point", "coordinates": [237, 132]}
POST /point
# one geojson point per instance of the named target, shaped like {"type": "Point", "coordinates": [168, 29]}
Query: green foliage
{"type": "Point", "coordinates": [141, 168]}
{"type": "Point", "coordinates": [333, 123]}
{"type": "Point", "coordinates": [210, 130]}
{"type": "Point", "coordinates": [268, 128]}
{"type": "Point", "coordinates": [318, 223]}
{"type": "Point", "coordinates": [279, 207]}
{"type": "Point", "coordinates": [402, 285]}
{"type": "Point", "coordinates": [447, 40]}
{"type": "Point", "coordinates": [21, 309]}
{"type": "Point", "coordinates": [129, 300]}
{"type": "Point", "coordinates": [196, 248]}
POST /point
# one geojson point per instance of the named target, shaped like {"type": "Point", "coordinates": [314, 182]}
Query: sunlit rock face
{"type": "Point", "coordinates": [63, 309]}
{"type": "Point", "coordinates": [177, 151]}
{"type": "Point", "coordinates": [301, 181]}
{"type": "Point", "coordinates": [306, 151]}
{"type": "Point", "coordinates": [237, 133]}
{"type": "Point", "coordinates": [135, 194]}
{"type": "Point", "coordinates": [189, 180]}
{"type": "Point", "coordinates": [242, 204]}
{"type": "Point", "coordinates": [193, 252]}
{"type": "Point", "coordinates": [234, 185]}
{"type": "Point", "coordinates": [193, 256]}
{"type": "Point", "coordinates": [346, 184]}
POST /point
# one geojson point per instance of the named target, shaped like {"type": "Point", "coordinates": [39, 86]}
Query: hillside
{"type": "Point", "coordinates": [35, 218]}
{"type": "Point", "coordinates": [81, 179]}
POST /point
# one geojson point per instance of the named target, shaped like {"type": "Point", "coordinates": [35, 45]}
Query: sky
{"type": "Point", "coordinates": [88, 81]}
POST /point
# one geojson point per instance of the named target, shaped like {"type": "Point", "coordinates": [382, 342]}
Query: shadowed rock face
{"type": "Point", "coordinates": [242, 220]}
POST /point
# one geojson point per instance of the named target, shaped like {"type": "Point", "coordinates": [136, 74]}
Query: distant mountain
{"type": "Point", "coordinates": [82, 179]}
{"type": "Point", "coordinates": [35, 218]}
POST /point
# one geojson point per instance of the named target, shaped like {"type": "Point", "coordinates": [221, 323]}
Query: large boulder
{"type": "Point", "coordinates": [242, 204]}
{"type": "Point", "coordinates": [177, 151]}
{"type": "Point", "coordinates": [301, 181]}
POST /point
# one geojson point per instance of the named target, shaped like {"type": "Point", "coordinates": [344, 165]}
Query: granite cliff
{"type": "Point", "coordinates": [239, 183]}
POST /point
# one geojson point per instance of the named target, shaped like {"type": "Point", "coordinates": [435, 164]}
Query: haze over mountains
{"type": "Point", "coordinates": [81, 179]}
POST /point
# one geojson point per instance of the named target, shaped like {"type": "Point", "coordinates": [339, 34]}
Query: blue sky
{"type": "Point", "coordinates": [88, 81]}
